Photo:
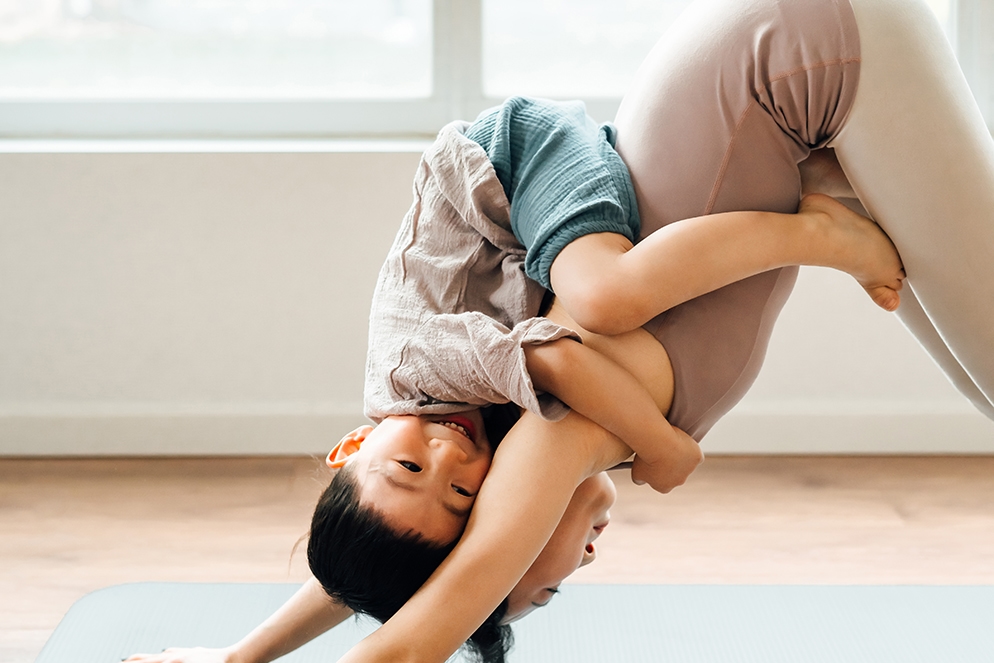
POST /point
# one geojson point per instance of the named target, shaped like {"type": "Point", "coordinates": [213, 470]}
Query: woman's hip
{"type": "Point", "coordinates": [733, 96]}
{"type": "Point", "coordinates": [723, 109]}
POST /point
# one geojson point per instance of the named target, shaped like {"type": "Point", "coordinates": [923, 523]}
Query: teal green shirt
{"type": "Point", "coordinates": [561, 175]}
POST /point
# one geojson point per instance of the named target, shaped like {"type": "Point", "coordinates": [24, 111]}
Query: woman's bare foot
{"type": "Point", "coordinates": [863, 250]}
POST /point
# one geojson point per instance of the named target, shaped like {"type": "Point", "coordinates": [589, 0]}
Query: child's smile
{"type": "Point", "coordinates": [423, 473]}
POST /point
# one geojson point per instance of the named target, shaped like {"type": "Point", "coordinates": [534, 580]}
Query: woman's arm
{"type": "Point", "coordinates": [535, 471]}
{"type": "Point", "coordinates": [610, 287]}
{"type": "Point", "coordinates": [306, 615]}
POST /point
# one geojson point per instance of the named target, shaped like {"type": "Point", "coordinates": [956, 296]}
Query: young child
{"type": "Point", "coordinates": [453, 317]}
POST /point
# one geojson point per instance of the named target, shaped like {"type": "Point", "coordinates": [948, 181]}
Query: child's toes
{"type": "Point", "coordinates": [886, 298]}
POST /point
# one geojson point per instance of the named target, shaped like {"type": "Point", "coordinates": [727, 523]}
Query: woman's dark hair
{"type": "Point", "coordinates": [361, 562]}
{"type": "Point", "coordinates": [498, 420]}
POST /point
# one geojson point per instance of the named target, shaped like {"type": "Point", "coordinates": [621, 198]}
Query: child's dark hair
{"type": "Point", "coordinates": [363, 563]}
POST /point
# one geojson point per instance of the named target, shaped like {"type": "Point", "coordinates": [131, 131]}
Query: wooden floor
{"type": "Point", "coordinates": [68, 527]}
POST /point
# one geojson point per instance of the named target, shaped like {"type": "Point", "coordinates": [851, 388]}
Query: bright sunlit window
{"type": "Point", "coordinates": [569, 48]}
{"type": "Point", "coordinates": [215, 48]}
{"type": "Point", "coordinates": [578, 48]}
{"type": "Point", "coordinates": [324, 68]}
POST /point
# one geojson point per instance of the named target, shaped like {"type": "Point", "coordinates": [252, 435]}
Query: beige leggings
{"type": "Point", "coordinates": [921, 160]}
{"type": "Point", "coordinates": [737, 94]}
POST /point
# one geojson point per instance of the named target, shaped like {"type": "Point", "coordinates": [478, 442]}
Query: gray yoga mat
{"type": "Point", "coordinates": [586, 623]}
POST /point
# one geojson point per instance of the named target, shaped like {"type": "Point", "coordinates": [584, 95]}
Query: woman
{"type": "Point", "coordinates": [310, 612]}
{"type": "Point", "coordinates": [914, 146]}
{"type": "Point", "coordinates": [798, 93]}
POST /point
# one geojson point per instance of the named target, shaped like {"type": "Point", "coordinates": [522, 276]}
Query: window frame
{"type": "Point", "coordinates": [971, 21]}
{"type": "Point", "coordinates": [457, 93]}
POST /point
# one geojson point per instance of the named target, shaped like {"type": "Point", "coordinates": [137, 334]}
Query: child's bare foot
{"type": "Point", "coordinates": [863, 249]}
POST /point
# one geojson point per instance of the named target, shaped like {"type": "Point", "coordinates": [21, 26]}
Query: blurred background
{"type": "Point", "coordinates": [195, 197]}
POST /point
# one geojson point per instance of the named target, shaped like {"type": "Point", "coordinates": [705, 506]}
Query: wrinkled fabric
{"type": "Point", "coordinates": [561, 174]}
{"type": "Point", "coordinates": [723, 109]}
{"type": "Point", "coordinates": [453, 309]}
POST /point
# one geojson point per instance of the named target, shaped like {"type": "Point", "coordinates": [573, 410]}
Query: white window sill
{"type": "Point", "coordinates": [180, 146]}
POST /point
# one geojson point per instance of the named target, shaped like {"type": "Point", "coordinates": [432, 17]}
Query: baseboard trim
{"type": "Point", "coordinates": [169, 435]}
{"type": "Point", "coordinates": [919, 432]}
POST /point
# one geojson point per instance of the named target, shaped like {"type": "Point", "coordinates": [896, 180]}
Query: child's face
{"type": "Point", "coordinates": [423, 473]}
{"type": "Point", "coordinates": [571, 546]}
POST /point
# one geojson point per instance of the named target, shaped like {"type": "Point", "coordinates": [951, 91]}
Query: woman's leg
{"type": "Point", "coordinates": [733, 96]}
{"type": "Point", "coordinates": [730, 99]}
{"type": "Point", "coordinates": [914, 318]}
{"type": "Point", "coordinates": [921, 160]}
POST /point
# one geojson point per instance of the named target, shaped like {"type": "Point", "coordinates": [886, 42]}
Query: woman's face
{"type": "Point", "coordinates": [571, 546]}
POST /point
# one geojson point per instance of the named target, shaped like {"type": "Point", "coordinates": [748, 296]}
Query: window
{"type": "Point", "coordinates": [203, 49]}
{"type": "Point", "coordinates": [569, 48]}
{"type": "Point", "coordinates": [324, 68]}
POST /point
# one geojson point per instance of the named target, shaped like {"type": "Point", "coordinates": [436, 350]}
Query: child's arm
{"type": "Point", "coordinates": [306, 615]}
{"type": "Point", "coordinates": [537, 467]}
{"type": "Point", "coordinates": [471, 358]}
{"type": "Point", "coordinates": [604, 392]}
{"type": "Point", "coordinates": [610, 287]}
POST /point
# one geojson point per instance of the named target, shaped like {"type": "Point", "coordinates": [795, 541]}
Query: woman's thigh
{"type": "Point", "coordinates": [723, 109]}
{"type": "Point", "coordinates": [921, 160]}
{"type": "Point", "coordinates": [731, 99]}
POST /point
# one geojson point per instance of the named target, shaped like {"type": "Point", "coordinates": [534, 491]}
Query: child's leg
{"type": "Point", "coordinates": [721, 112]}
{"type": "Point", "coordinates": [612, 287]}
{"type": "Point", "coordinates": [921, 159]}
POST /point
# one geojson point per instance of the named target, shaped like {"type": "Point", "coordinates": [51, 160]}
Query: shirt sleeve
{"type": "Point", "coordinates": [470, 358]}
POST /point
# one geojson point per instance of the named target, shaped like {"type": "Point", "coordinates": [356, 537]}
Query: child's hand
{"type": "Point", "coordinates": [862, 249]}
{"type": "Point", "coordinates": [671, 469]}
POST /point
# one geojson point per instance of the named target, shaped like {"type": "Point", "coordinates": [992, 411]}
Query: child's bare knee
{"type": "Point", "coordinates": [592, 285]}
{"type": "Point", "coordinates": [602, 308]}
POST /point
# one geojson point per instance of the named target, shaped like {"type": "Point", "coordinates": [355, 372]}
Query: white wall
{"type": "Point", "coordinates": [213, 302]}
{"type": "Point", "coordinates": [843, 376]}
{"type": "Point", "coordinates": [188, 303]}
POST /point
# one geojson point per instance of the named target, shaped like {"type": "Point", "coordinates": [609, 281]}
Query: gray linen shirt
{"type": "Point", "coordinates": [453, 308]}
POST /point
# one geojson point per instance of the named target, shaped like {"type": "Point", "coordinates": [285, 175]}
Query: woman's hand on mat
{"type": "Point", "coordinates": [861, 249]}
{"type": "Point", "coordinates": [670, 469]}
{"type": "Point", "coordinates": [187, 655]}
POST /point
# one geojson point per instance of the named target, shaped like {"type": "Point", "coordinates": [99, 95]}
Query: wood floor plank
{"type": "Point", "coordinates": [70, 526]}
